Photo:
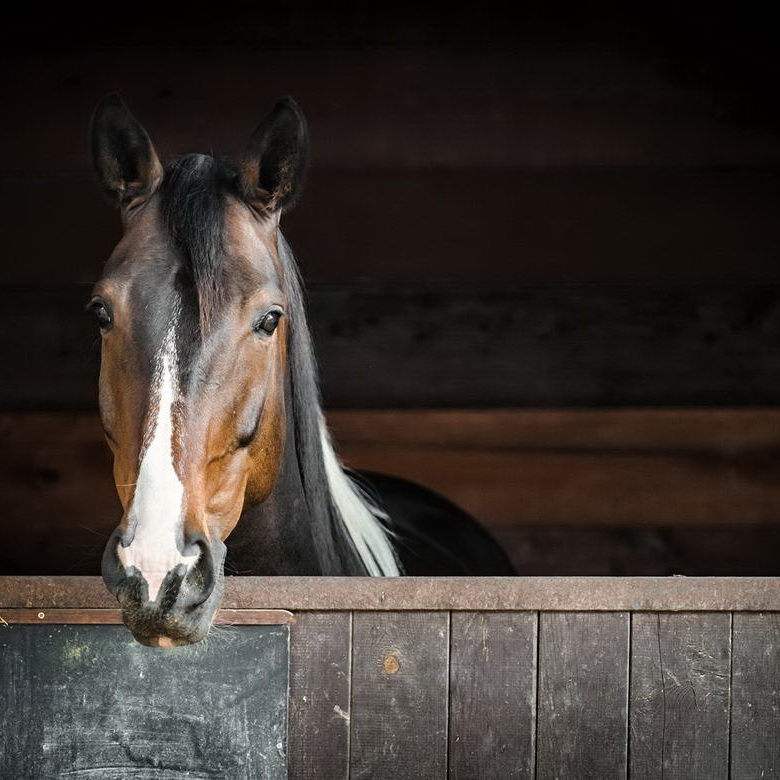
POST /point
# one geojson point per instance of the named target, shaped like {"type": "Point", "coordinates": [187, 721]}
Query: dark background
{"type": "Point", "coordinates": [541, 247]}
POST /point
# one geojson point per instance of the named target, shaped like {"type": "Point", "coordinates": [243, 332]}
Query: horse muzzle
{"type": "Point", "coordinates": [178, 609]}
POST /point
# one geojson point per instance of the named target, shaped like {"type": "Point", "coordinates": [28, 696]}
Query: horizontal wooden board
{"type": "Point", "coordinates": [491, 594]}
{"type": "Point", "coordinates": [223, 617]}
{"type": "Point", "coordinates": [589, 492]}
{"type": "Point", "coordinates": [446, 347]}
{"type": "Point", "coordinates": [572, 103]}
{"type": "Point", "coordinates": [465, 227]}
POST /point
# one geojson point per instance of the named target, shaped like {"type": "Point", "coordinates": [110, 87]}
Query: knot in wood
{"type": "Point", "coordinates": [391, 664]}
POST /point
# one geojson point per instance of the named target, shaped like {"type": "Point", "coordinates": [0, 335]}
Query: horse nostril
{"type": "Point", "coordinates": [203, 577]}
{"type": "Point", "coordinates": [200, 578]}
{"type": "Point", "coordinates": [111, 568]}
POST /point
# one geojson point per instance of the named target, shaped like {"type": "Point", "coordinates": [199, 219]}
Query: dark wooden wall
{"type": "Point", "coordinates": [501, 147]}
{"type": "Point", "coordinates": [519, 210]}
{"type": "Point", "coordinates": [415, 678]}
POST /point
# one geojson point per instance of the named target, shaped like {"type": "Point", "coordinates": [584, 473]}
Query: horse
{"type": "Point", "coordinates": [209, 397]}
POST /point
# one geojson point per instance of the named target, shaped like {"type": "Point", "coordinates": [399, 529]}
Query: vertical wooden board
{"type": "Point", "coordinates": [755, 692]}
{"type": "Point", "coordinates": [400, 674]}
{"type": "Point", "coordinates": [320, 659]}
{"type": "Point", "coordinates": [492, 694]}
{"type": "Point", "coordinates": [89, 701]}
{"type": "Point", "coordinates": [679, 707]}
{"type": "Point", "coordinates": [583, 695]}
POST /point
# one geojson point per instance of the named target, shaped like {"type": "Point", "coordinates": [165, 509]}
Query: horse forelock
{"type": "Point", "coordinates": [194, 195]}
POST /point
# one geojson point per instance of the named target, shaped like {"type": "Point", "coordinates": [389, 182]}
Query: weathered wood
{"type": "Point", "coordinates": [680, 688]}
{"type": "Point", "coordinates": [400, 675]}
{"type": "Point", "coordinates": [583, 695]}
{"type": "Point", "coordinates": [223, 617]}
{"type": "Point", "coordinates": [491, 594]}
{"type": "Point", "coordinates": [320, 689]}
{"type": "Point", "coordinates": [651, 471]}
{"type": "Point", "coordinates": [755, 683]}
{"type": "Point", "coordinates": [493, 674]}
{"type": "Point", "coordinates": [89, 701]}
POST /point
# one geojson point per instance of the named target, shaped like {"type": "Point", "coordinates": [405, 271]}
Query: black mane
{"type": "Point", "coordinates": [194, 195]}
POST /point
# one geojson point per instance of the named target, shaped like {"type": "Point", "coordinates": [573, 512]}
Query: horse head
{"type": "Point", "coordinates": [193, 310]}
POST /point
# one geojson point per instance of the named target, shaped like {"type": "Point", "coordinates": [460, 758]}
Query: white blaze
{"type": "Point", "coordinates": [157, 508]}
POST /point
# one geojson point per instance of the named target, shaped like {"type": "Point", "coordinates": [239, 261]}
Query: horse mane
{"type": "Point", "coordinates": [349, 531]}
{"type": "Point", "coordinates": [351, 511]}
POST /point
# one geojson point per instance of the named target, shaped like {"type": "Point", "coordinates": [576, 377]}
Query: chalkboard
{"type": "Point", "coordinates": [87, 701]}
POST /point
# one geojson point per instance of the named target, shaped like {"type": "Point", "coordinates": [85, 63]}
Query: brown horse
{"type": "Point", "coordinates": [209, 395]}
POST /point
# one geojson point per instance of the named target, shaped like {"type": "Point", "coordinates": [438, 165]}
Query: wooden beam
{"type": "Point", "coordinates": [481, 347]}
{"type": "Point", "coordinates": [547, 106]}
{"type": "Point", "coordinates": [509, 468]}
{"type": "Point", "coordinates": [461, 226]}
{"type": "Point", "coordinates": [672, 594]}
{"type": "Point", "coordinates": [87, 616]}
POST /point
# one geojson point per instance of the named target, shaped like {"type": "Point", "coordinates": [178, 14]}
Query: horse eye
{"type": "Point", "coordinates": [268, 323]}
{"type": "Point", "coordinates": [100, 312]}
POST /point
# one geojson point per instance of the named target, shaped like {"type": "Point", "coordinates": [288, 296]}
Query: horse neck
{"type": "Point", "coordinates": [275, 536]}
{"type": "Point", "coordinates": [291, 532]}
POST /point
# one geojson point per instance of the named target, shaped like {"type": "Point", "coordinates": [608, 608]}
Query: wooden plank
{"type": "Point", "coordinates": [223, 617]}
{"type": "Point", "coordinates": [493, 675]}
{"type": "Point", "coordinates": [400, 675]}
{"type": "Point", "coordinates": [725, 431]}
{"type": "Point", "coordinates": [583, 695]}
{"type": "Point", "coordinates": [652, 472]}
{"type": "Point", "coordinates": [396, 347]}
{"type": "Point", "coordinates": [320, 687]}
{"type": "Point", "coordinates": [491, 594]}
{"type": "Point", "coordinates": [371, 106]}
{"type": "Point", "coordinates": [680, 686]}
{"type": "Point", "coordinates": [755, 714]}
{"type": "Point", "coordinates": [577, 227]}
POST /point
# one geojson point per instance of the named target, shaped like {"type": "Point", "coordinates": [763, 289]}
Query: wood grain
{"type": "Point", "coordinates": [755, 714]}
{"type": "Point", "coordinates": [400, 676]}
{"type": "Point", "coordinates": [583, 695]}
{"type": "Point", "coordinates": [680, 695]}
{"type": "Point", "coordinates": [320, 690]}
{"type": "Point", "coordinates": [640, 467]}
{"type": "Point", "coordinates": [493, 674]}
{"type": "Point", "coordinates": [393, 594]}
{"type": "Point", "coordinates": [87, 616]}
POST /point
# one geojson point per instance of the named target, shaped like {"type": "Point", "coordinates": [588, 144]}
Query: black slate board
{"type": "Point", "coordinates": [84, 701]}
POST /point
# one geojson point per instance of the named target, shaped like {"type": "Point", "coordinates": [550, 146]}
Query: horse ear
{"type": "Point", "coordinates": [274, 163]}
{"type": "Point", "coordinates": [122, 154]}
